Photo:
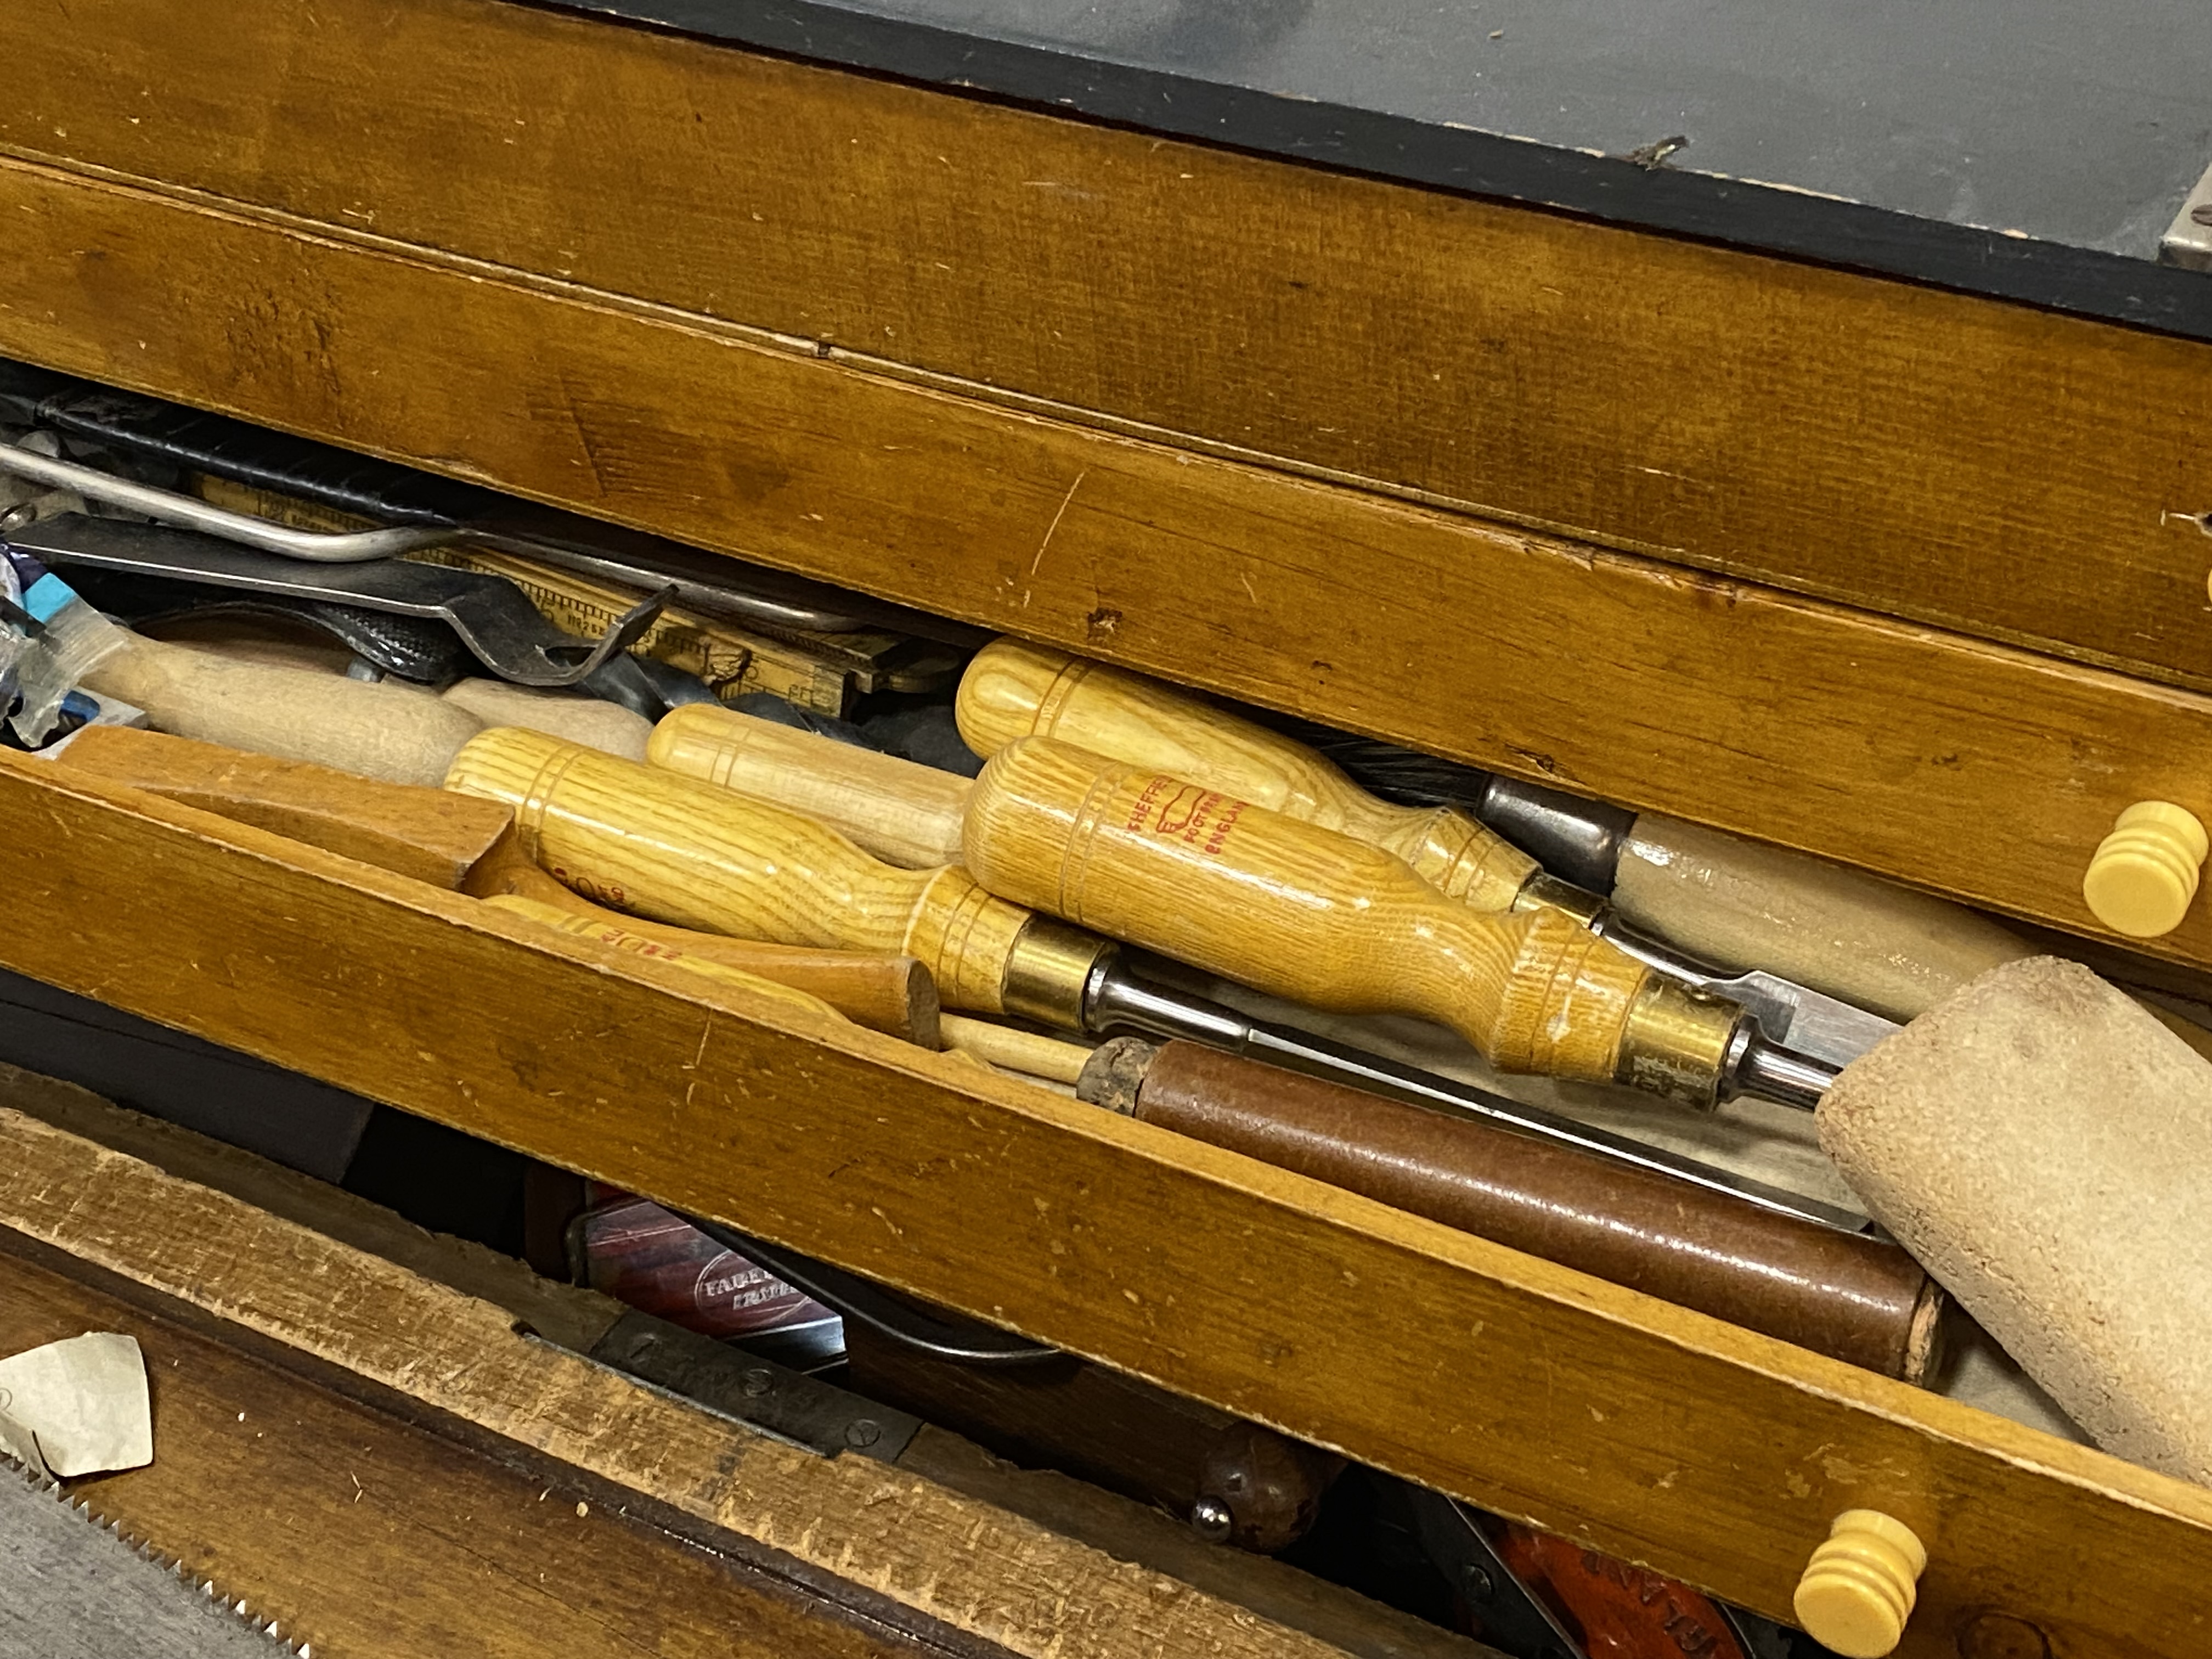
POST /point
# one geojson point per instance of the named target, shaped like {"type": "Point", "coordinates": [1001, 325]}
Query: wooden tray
{"type": "Point", "coordinates": [981, 360]}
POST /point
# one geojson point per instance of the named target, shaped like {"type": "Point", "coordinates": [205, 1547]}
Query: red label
{"type": "Point", "coordinates": [1183, 811]}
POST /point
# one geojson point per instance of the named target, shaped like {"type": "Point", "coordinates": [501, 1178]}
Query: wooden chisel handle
{"type": "Point", "coordinates": [1846, 1295]}
{"type": "Point", "coordinates": [891, 994]}
{"type": "Point", "coordinates": [1013, 689]}
{"type": "Point", "coordinates": [678, 851]}
{"type": "Point", "coordinates": [399, 733]}
{"type": "Point", "coordinates": [1308, 913]}
{"type": "Point", "coordinates": [904, 813]}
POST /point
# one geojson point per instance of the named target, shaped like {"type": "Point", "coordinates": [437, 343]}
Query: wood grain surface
{"type": "Point", "coordinates": [685, 853]}
{"type": "Point", "coordinates": [1647, 1431]}
{"type": "Point", "coordinates": [363, 1535]}
{"type": "Point", "coordinates": [1985, 466]}
{"type": "Point", "coordinates": [1978, 771]}
{"type": "Point", "coordinates": [1013, 689]}
{"type": "Point", "coordinates": [576, 1318]}
{"type": "Point", "coordinates": [1298, 912]}
{"type": "Point", "coordinates": [881, 1531]}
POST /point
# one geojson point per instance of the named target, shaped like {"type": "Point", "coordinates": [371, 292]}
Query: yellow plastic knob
{"type": "Point", "coordinates": [1859, 1587]}
{"type": "Point", "coordinates": [2144, 873]}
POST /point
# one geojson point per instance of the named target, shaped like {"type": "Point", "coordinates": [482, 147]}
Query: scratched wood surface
{"type": "Point", "coordinates": [1979, 771]}
{"type": "Point", "coordinates": [977, 1570]}
{"type": "Point", "coordinates": [363, 1535]}
{"type": "Point", "coordinates": [576, 1318]}
{"type": "Point", "coordinates": [1985, 466]}
{"type": "Point", "coordinates": [1650, 1432]}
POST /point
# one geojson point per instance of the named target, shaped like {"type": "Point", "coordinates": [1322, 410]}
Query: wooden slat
{"type": "Point", "coordinates": [1648, 1431]}
{"type": "Point", "coordinates": [845, 1526]}
{"type": "Point", "coordinates": [364, 1535]}
{"type": "Point", "coordinates": [1978, 770]}
{"type": "Point", "coordinates": [1977, 464]}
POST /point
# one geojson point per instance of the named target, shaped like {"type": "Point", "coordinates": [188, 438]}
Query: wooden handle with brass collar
{"type": "Point", "coordinates": [1013, 689]}
{"type": "Point", "coordinates": [891, 994]}
{"type": "Point", "coordinates": [675, 850]}
{"type": "Point", "coordinates": [1311, 915]}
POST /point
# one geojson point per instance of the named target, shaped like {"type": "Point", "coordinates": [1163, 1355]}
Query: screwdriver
{"type": "Point", "coordinates": [677, 850]}
{"type": "Point", "coordinates": [1013, 689]}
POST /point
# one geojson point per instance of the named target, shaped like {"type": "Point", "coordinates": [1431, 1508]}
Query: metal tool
{"type": "Point", "coordinates": [1512, 1617]}
{"type": "Point", "coordinates": [427, 512]}
{"type": "Point", "coordinates": [1821, 1027]}
{"type": "Point", "coordinates": [1115, 1000]}
{"type": "Point", "coordinates": [489, 614]}
{"type": "Point", "coordinates": [792, 1406]}
{"type": "Point", "coordinates": [74, 1578]}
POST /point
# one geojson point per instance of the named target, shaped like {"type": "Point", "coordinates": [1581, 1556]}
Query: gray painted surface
{"type": "Point", "coordinates": [2084, 125]}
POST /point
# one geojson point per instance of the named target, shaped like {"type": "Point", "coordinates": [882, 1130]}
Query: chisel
{"type": "Point", "coordinates": [1015, 689]}
{"type": "Point", "coordinates": [1313, 915]}
{"type": "Point", "coordinates": [678, 850]}
{"type": "Point", "coordinates": [913, 815]}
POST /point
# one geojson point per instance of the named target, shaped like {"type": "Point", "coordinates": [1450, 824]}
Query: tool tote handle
{"type": "Point", "coordinates": [1291, 908]}
{"type": "Point", "coordinates": [904, 813]}
{"type": "Point", "coordinates": [1013, 689]}
{"type": "Point", "coordinates": [676, 850]}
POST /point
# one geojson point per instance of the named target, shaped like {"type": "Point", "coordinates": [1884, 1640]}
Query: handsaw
{"type": "Point", "coordinates": [79, 1587]}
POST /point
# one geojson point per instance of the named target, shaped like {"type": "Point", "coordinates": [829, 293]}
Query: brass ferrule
{"type": "Point", "coordinates": [1548, 892]}
{"type": "Point", "coordinates": [1047, 971]}
{"type": "Point", "coordinates": [1676, 1042]}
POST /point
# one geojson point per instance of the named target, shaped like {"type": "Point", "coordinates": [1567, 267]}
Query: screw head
{"type": "Point", "coordinates": [756, 1382]}
{"type": "Point", "coordinates": [1211, 1520]}
{"type": "Point", "coordinates": [863, 1431]}
{"type": "Point", "coordinates": [1474, 1582]}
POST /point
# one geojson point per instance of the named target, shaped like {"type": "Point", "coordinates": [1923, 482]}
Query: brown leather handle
{"type": "Point", "coordinates": [1846, 1295]}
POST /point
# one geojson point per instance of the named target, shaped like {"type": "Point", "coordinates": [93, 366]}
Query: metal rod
{"type": "Point", "coordinates": [1116, 1000]}
{"type": "Point", "coordinates": [165, 505]}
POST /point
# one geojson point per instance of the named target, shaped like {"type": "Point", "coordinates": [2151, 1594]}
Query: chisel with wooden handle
{"type": "Point", "coordinates": [893, 994]}
{"type": "Point", "coordinates": [678, 850]}
{"type": "Point", "coordinates": [1016, 689]}
{"type": "Point", "coordinates": [1652, 1033]}
{"type": "Point", "coordinates": [457, 843]}
{"type": "Point", "coordinates": [1316, 916]}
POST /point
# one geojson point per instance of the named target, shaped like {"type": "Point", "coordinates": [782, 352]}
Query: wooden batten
{"type": "Point", "coordinates": [1643, 1430]}
{"type": "Point", "coordinates": [1984, 466]}
{"type": "Point", "coordinates": [1978, 770]}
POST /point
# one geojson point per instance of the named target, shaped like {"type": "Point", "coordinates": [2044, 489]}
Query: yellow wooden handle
{"type": "Point", "coordinates": [679, 851]}
{"type": "Point", "coordinates": [906, 814]}
{"type": "Point", "coordinates": [1291, 909]}
{"type": "Point", "coordinates": [1014, 689]}
{"type": "Point", "coordinates": [591, 927]}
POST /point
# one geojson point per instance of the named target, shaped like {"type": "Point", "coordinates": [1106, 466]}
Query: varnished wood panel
{"type": "Point", "coordinates": [1985, 466]}
{"type": "Point", "coordinates": [362, 1534]}
{"type": "Point", "coordinates": [1646, 1430]}
{"type": "Point", "coordinates": [1978, 770]}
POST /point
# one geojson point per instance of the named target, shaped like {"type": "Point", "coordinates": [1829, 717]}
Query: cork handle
{"type": "Point", "coordinates": [679, 851]}
{"type": "Point", "coordinates": [1291, 908]}
{"type": "Point", "coordinates": [1013, 689]}
{"type": "Point", "coordinates": [905, 814]}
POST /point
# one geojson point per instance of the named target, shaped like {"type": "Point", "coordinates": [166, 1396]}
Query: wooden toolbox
{"type": "Point", "coordinates": [1909, 577]}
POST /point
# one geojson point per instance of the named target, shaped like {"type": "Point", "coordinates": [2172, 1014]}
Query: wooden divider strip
{"type": "Point", "coordinates": [1646, 1430]}
{"type": "Point", "coordinates": [1978, 770]}
{"type": "Point", "coordinates": [1982, 465]}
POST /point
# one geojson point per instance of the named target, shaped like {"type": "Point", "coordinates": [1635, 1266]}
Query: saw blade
{"type": "Point", "coordinates": [77, 1586]}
